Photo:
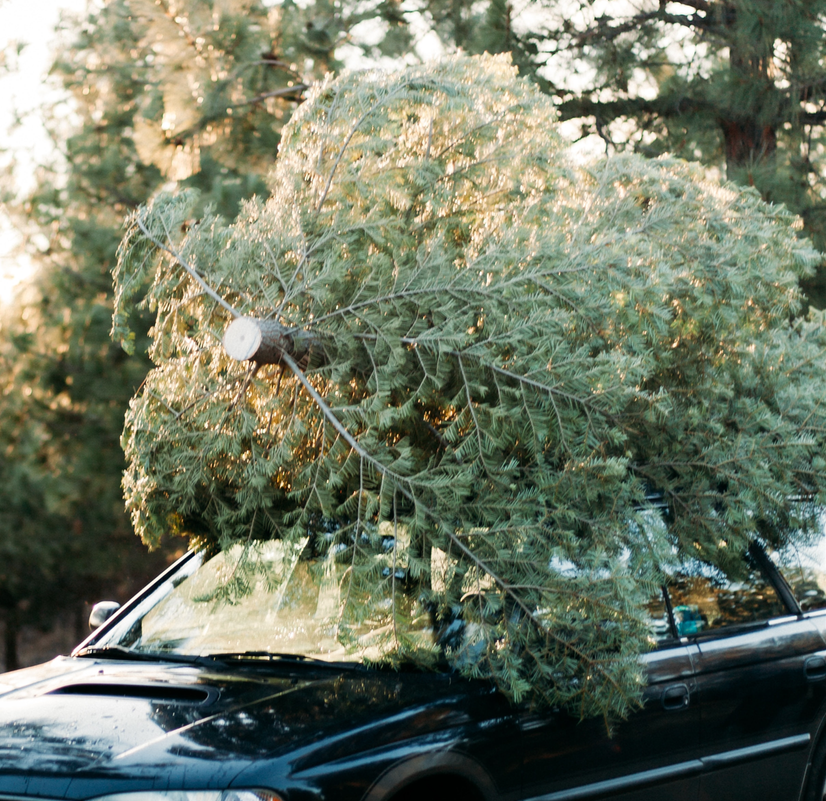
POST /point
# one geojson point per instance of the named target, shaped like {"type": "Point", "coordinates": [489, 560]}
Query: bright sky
{"type": "Point", "coordinates": [31, 22]}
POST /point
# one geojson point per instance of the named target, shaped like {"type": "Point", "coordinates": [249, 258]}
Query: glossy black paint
{"type": "Point", "coordinates": [732, 714]}
{"type": "Point", "coordinates": [77, 728]}
{"type": "Point", "coordinates": [563, 754]}
{"type": "Point", "coordinates": [753, 690]}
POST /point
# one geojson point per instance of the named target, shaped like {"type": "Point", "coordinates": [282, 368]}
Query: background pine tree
{"type": "Point", "coordinates": [737, 85]}
{"type": "Point", "coordinates": [193, 94]}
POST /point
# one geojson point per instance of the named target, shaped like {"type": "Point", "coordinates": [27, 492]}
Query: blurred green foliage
{"type": "Point", "coordinates": [160, 94]}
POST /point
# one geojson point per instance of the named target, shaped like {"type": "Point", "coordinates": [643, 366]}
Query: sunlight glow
{"type": "Point", "coordinates": [22, 91]}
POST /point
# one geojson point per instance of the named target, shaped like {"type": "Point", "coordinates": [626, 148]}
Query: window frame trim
{"type": "Point", "coordinates": [775, 577]}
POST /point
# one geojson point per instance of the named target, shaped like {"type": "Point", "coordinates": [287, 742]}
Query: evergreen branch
{"type": "Point", "coordinates": [393, 572]}
{"type": "Point", "coordinates": [196, 276]}
{"type": "Point", "coordinates": [302, 261]}
{"type": "Point", "coordinates": [629, 107]}
{"type": "Point", "coordinates": [429, 140]}
{"type": "Point", "coordinates": [284, 92]}
{"type": "Point", "coordinates": [468, 134]}
{"type": "Point", "coordinates": [327, 411]}
{"type": "Point", "coordinates": [509, 590]}
{"type": "Point", "coordinates": [322, 435]}
{"type": "Point", "coordinates": [585, 402]}
{"type": "Point", "coordinates": [359, 524]}
{"type": "Point", "coordinates": [812, 117]}
{"type": "Point", "coordinates": [163, 402]}
{"type": "Point", "coordinates": [270, 62]}
{"type": "Point", "coordinates": [252, 370]}
{"type": "Point", "coordinates": [203, 397]}
{"type": "Point", "coordinates": [377, 105]}
{"type": "Point", "coordinates": [443, 443]}
{"type": "Point", "coordinates": [537, 438]}
{"type": "Point", "coordinates": [400, 482]}
{"type": "Point", "coordinates": [407, 294]}
{"type": "Point", "coordinates": [183, 30]}
{"type": "Point", "coordinates": [524, 380]}
{"type": "Point", "coordinates": [698, 5]}
{"type": "Point", "coordinates": [476, 426]}
{"type": "Point", "coordinates": [277, 273]}
{"type": "Point", "coordinates": [604, 31]}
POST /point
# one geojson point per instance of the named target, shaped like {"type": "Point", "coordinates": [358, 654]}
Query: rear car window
{"type": "Point", "coordinates": [704, 598]}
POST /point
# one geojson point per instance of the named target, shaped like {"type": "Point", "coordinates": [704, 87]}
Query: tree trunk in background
{"type": "Point", "coordinates": [750, 143]}
{"type": "Point", "coordinates": [10, 636]}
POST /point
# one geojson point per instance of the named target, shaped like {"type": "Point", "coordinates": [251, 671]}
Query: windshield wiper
{"type": "Point", "coordinates": [276, 656]}
{"type": "Point", "coordinates": [120, 652]}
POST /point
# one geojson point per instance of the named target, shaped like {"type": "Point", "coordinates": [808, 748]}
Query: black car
{"type": "Point", "coordinates": [186, 695]}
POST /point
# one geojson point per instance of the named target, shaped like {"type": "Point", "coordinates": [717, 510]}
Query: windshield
{"type": "Point", "coordinates": [263, 598]}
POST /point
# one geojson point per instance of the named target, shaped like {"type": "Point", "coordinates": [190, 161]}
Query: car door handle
{"type": "Point", "coordinates": [676, 696]}
{"type": "Point", "coordinates": [815, 668]}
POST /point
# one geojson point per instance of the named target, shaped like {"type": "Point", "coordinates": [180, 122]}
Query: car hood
{"type": "Point", "coordinates": [78, 727]}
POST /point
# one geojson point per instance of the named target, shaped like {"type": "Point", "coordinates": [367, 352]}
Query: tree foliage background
{"type": "Point", "coordinates": [190, 93]}
{"type": "Point", "coordinates": [507, 353]}
{"type": "Point", "coordinates": [737, 85]}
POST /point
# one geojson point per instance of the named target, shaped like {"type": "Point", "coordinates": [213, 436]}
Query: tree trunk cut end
{"type": "Point", "coordinates": [243, 338]}
{"type": "Point", "coordinates": [267, 342]}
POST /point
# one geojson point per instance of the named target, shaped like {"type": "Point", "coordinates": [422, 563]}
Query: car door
{"type": "Point", "coordinates": [648, 757]}
{"type": "Point", "coordinates": [758, 668]}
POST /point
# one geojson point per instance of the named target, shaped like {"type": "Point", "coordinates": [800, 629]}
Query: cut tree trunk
{"type": "Point", "coordinates": [266, 341]}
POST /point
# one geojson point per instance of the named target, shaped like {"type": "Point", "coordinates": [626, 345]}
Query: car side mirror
{"type": "Point", "coordinates": [101, 612]}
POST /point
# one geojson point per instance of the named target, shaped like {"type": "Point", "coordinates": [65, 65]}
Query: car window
{"type": "Point", "coordinates": [263, 597]}
{"type": "Point", "coordinates": [704, 598]}
{"type": "Point", "coordinates": [804, 568]}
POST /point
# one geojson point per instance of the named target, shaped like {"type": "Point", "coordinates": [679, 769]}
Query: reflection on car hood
{"type": "Point", "coordinates": [72, 727]}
